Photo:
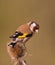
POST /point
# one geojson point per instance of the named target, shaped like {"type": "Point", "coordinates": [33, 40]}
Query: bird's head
{"type": "Point", "coordinates": [34, 27]}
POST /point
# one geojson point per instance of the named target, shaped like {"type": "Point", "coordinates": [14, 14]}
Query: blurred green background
{"type": "Point", "coordinates": [13, 13]}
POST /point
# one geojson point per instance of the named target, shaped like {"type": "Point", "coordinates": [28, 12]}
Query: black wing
{"type": "Point", "coordinates": [29, 35]}
{"type": "Point", "coordinates": [16, 34]}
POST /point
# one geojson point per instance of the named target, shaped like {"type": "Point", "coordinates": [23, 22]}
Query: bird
{"type": "Point", "coordinates": [16, 47]}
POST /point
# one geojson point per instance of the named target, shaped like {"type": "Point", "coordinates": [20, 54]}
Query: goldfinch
{"type": "Point", "coordinates": [16, 48]}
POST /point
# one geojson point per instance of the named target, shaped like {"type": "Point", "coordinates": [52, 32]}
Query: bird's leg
{"type": "Point", "coordinates": [22, 62]}
{"type": "Point", "coordinates": [19, 61]}
{"type": "Point", "coordinates": [16, 62]}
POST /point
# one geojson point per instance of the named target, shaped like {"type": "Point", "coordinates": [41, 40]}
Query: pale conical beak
{"type": "Point", "coordinates": [36, 31]}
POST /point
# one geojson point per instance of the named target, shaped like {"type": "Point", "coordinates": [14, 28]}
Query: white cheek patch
{"type": "Point", "coordinates": [32, 26]}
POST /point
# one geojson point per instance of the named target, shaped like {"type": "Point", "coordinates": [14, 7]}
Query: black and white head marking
{"type": "Point", "coordinates": [34, 27]}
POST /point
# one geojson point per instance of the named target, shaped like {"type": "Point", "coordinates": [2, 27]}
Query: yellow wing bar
{"type": "Point", "coordinates": [23, 36]}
